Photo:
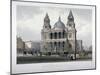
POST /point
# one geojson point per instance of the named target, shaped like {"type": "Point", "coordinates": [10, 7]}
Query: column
{"type": "Point", "coordinates": [61, 35]}
{"type": "Point", "coordinates": [60, 46]}
{"type": "Point", "coordinates": [58, 35]}
{"type": "Point", "coordinates": [52, 35]}
{"type": "Point", "coordinates": [53, 46]}
{"type": "Point", "coordinates": [57, 46]}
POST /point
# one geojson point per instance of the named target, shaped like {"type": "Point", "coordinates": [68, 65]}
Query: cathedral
{"type": "Point", "coordinates": [60, 39]}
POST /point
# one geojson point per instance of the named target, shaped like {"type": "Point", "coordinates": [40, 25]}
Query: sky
{"type": "Point", "coordinates": [30, 21]}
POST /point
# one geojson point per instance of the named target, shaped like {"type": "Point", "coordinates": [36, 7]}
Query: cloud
{"type": "Point", "coordinates": [28, 34]}
{"type": "Point", "coordinates": [30, 21]}
{"type": "Point", "coordinates": [24, 12]}
{"type": "Point", "coordinates": [85, 33]}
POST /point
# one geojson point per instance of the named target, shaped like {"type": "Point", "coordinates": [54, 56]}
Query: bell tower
{"type": "Point", "coordinates": [71, 33]}
{"type": "Point", "coordinates": [71, 27]}
{"type": "Point", "coordinates": [45, 33]}
{"type": "Point", "coordinates": [46, 22]}
{"type": "Point", "coordinates": [70, 22]}
{"type": "Point", "coordinates": [46, 27]}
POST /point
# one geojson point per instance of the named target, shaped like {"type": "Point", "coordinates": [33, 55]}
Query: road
{"type": "Point", "coordinates": [38, 59]}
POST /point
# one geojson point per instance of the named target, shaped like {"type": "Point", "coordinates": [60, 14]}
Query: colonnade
{"type": "Point", "coordinates": [57, 35]}
{"type": "Point", "coordinates": [56, 45]}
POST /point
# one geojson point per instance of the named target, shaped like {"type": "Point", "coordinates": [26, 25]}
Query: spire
{"type": "Point", "coordinates": [47, 15]}
{"type": "Point", "coordinates": [70, 17]}
{"type": "Point", "coordinates": [47, 22]}
{"type": "Point", "coordinates": [70, 21]}
{"type": "Point", "coordinates": [46, 18]}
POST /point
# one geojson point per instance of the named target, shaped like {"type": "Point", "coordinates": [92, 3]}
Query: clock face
{"type": "Point", "coordinates": [70, 25]}
{"type": "Point", "coordinates": [70, 17]}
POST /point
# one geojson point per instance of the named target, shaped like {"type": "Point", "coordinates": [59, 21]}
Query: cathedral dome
{"type": "Point", "coordinates": [59, 24]}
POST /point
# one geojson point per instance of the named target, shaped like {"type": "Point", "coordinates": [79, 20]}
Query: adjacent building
{"type": "Point", "coordinates": [79, 46]}
{"type": "Point", "coordinates": [20, 46]}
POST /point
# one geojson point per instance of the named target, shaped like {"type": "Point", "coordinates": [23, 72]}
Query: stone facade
{"type": "Point", "coordinates": [60, 39]}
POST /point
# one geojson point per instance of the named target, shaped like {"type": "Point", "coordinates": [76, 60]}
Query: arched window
{"type": "Point", "coordinates": [59, 35]}
{"type": "Point", "coordinates": [63, 43]}
{"type": "Point", "coordinates": [51, 35]}
{"type": "Point", "coordinates": [63, 33]}
{"type": "Point", "coordinates": [55, 43]}
{"type": "Point", "coordinates": [45, 26]}
{"type": "Point", "coordinates": [55, 35]}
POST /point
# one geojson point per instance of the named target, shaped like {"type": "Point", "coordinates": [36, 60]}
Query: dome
{"type": "Point", "coordinates": [59, 24]}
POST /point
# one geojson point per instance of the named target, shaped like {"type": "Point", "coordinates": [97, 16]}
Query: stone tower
{"type": "Point", "coordinates": [46, 27]}
{"type": "Point", "coordinates": [71, 32]}
{"type": "Point", "coordinates": [45, 32]}
{"type": "Point", "coordinates": [46, 22]}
